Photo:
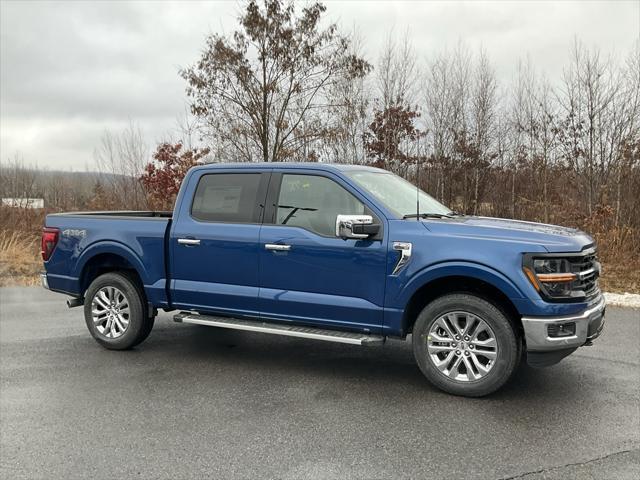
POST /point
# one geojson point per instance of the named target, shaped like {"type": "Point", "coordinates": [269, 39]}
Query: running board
{"type": "Point", "coordinates": [281, 329]}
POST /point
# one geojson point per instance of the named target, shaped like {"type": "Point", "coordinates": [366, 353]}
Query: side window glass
{"type": "Point", "coordinates": [314, 202]}
{"type": "Point", "coordinates": [226, 197]}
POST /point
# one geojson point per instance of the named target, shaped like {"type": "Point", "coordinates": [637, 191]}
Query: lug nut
{"type": "Point", "coordinates": [457, 337]}
{"type": "Point", "coordinates": [471, 347]}
{"type": "Point", "coordinates": [466, 353]}
{"type": "Point", "coordinates": [466, 339]}
{"type": "Point", "coordinates": [457, 352]}
{"type": "Point", "coordinates": [454, 344]}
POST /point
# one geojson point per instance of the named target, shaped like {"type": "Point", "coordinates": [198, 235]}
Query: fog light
{"type": "Point", "coordinates": [559, 330]}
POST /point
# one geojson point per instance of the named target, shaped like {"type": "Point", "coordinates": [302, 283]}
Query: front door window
{"type": "Point", "coordinates": [313, 202]}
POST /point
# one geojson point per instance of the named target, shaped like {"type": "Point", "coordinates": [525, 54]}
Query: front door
{"type": "Point", "coordinates": [307, 274]}
{"type": "Point", "coordinates": [215, 243]}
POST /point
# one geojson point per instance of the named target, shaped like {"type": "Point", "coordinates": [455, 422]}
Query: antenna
{"type": "Point", "coordinates": [418, 183]}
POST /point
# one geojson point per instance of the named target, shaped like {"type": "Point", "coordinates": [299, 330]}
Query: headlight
{"type": "Point", "coordinates": [552, 277]}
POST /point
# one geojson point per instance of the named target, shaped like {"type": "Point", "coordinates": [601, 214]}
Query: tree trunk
{"type": "Point", "coordinates": [513, 193]}
{"type": "Point", "coordinates": [475, 193]}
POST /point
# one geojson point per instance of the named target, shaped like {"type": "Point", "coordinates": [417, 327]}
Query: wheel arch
{"type": "Point", "coordinates": [459, 283]}
{"type": "Point", "coordinates": [106, 258]}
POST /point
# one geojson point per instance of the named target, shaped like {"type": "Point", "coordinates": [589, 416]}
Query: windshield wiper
{"type": "Point", "coordinates": [294, 211]}
{"type": "Point", "coordinates": [429, 215]}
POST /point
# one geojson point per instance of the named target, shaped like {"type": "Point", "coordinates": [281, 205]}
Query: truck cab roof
{"type": "Point", "coordinates": [330, 167]}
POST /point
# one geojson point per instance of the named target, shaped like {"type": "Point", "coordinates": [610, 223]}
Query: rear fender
{"type": "Point", "coordinates": [114, 248]}
{"type": "Point", "coordinates": [74, 283]}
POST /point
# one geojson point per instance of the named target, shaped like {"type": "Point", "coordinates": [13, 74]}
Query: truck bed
{"type": "Point", "coordinates": [101, 238]}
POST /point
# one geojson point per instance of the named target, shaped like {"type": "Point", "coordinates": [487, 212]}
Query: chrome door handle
{"type": "Point", "coordinates": [277, 247]}
{"type": "Point", "coordinates": [188, 241]}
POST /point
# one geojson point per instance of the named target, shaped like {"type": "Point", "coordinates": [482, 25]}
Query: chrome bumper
{"type": "Point", "coordinates": [44, 281]}
{"type": "Point", "coordinates": [588, 326]}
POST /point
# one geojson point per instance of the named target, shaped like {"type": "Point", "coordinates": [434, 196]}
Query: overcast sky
{"type": "Point", "coordinates": [70, 70]}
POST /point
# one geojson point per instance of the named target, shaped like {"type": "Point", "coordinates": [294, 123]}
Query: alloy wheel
{"type": "Point", "coordinates": [110, 312]}
{"type": "Point", "coordinates": [462, 346]}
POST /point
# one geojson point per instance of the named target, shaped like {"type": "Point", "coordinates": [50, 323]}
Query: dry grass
{"type": "Point", "coordinates": [20, 261]}
{"type": "Point", "coordinates": [621, 277]}
{"type": "Point", "coordinates": [619, 253]}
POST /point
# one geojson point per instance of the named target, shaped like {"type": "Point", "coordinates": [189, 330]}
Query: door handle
{"type": "Point", "coordinates": [189, 241]}
{"type": "Point", "coordinates": [277, 247]}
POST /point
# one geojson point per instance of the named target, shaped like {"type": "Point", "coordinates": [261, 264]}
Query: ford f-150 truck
{"type": "Point", "coordinates": [340, 253]}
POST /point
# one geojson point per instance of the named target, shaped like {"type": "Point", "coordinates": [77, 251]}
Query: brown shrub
{"type": "Point", "coordinates": [618, 250]}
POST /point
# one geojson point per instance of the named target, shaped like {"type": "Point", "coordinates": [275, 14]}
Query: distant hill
{"type": "Point", "coordinates": [52, 185]}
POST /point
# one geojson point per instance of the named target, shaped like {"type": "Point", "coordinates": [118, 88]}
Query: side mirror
{"type": "Point", "coordinates": [355, 226]}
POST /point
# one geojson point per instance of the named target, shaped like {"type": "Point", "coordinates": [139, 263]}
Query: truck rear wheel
{"type": "Point", "coordinates": [465, 345]}
{"type": "Point", "coordinates": [115, 311]}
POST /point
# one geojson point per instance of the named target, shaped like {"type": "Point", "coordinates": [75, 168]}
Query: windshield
{"type": "Point", "coordinates": [396, 193]}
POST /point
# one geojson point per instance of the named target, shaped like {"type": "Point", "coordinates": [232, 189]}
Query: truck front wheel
{"type": "Point", "coordinates": [115, 311]}
{"type": "Point", "coordinates": [465, 345]}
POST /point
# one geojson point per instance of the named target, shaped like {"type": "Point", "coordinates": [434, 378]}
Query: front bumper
{"type": "Point", "coordinates": [588, 326]}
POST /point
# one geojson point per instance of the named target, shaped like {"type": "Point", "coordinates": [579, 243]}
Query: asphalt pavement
{"type": "Point", "coordinates": [200, 402]}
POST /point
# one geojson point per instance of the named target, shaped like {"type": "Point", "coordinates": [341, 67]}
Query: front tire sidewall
{"type": "Point", "coordinates": [508, 351]}
{"type": "Point", "coordinates": [137, 317]}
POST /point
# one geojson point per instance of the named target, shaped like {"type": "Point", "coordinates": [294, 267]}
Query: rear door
{"type": "Point", "coordinates": [307, 274]}
{"type": "Point", "coordinates": [214, 242]}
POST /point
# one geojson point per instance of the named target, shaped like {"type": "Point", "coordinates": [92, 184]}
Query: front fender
{"type": "Point", "coordinates": [457, 269]}
{"type": "Point", "coordinates": [400, 292]}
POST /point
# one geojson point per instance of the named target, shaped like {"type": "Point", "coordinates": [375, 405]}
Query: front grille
{"type": "Point", "coordinates": [587, 268]}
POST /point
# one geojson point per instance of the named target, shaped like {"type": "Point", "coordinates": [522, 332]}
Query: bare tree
{"type": "Point", "coordinates": [121, 158]}
{"type": "Point", "coordinates": [483, 115]}
{"type": "Point", "coordinates": [461, 105]}
{"type": "Point", "coordinates": [627, 129]}
{"type": "Point", "coordinates": [438, 91]}
{"type": "Point", "coordinates": [537, 125]}
{"type": "Point", "coordinates": [590, 90]}
{"type": "Point", "coordinates": [16, 179]}
{"type": "Point", "coordinates": [187, 129]}
{"type": "Point", "coordinates": [348, 116]}
{"type": "Point", "coordinates": [256, 90]}
{"type": "Point", "coordinates": [397, 74]}
{"type": "Point", "coordinates": [392, 137]}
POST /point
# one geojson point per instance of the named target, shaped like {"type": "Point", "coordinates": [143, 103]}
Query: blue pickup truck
{"type": "Point", "coordinates": [338, 253]}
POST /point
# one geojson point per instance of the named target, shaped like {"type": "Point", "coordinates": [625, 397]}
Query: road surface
{"type": "Point", "coordinates": [194, 402]}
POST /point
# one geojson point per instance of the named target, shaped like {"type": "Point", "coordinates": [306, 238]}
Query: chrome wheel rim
{"type": "Point", "coordinates": [110, 312]}
{"type": "Point", "coordinates": [462, 346]}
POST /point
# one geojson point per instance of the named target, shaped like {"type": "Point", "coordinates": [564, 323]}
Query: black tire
{"type": "Point", "coordinates": [148, 325]}
{"type": "Point", "coordinates": [139, 323]}
{"type": "Point", "coordinates": [146, 332]}
{"type": "Point", "coordinates": [508, 345]}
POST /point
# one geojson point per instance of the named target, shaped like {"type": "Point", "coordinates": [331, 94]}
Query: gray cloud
{"type": "Point", "coordinates": [70, 70]}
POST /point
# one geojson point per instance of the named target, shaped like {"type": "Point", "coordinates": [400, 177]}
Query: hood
{"type": "Point", "coordinates": [553, 238]}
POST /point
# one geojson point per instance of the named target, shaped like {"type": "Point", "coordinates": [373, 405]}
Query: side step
{"type": "Point", "coordinates": [281, 329]}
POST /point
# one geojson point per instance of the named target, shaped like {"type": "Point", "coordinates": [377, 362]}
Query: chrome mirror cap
{"type": "Point", "coordinates": [345, 223]}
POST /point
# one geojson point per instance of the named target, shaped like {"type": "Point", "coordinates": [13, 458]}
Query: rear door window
{"type": "Point", "coordinates": [227, 197]}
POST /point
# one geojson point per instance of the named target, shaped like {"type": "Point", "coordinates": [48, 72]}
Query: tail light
{"type": "Point", "coordinates": [49, 242]}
